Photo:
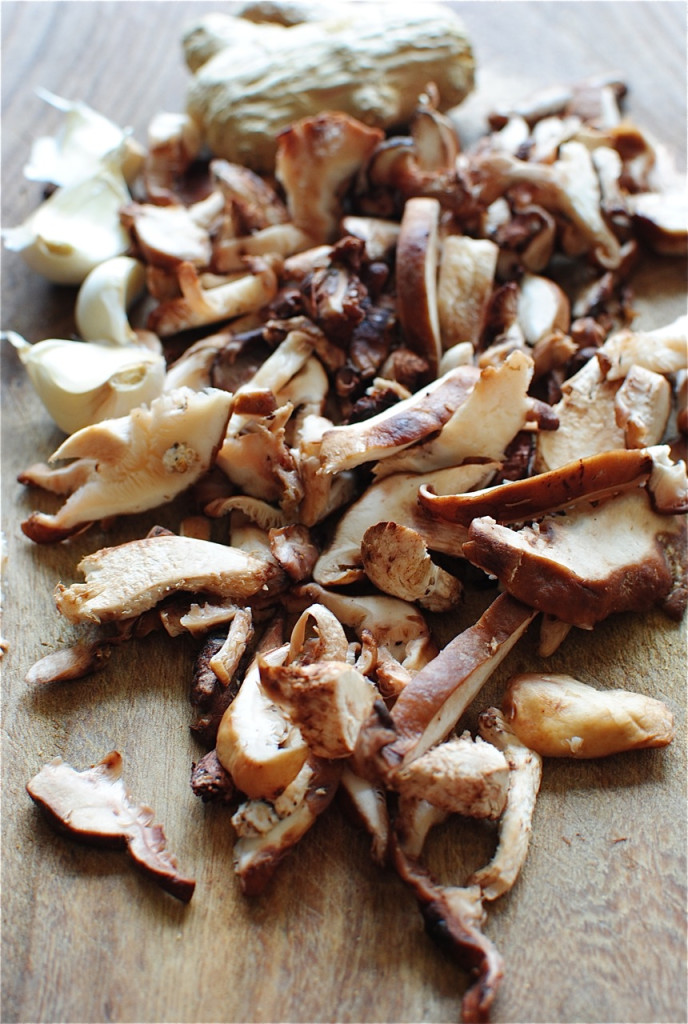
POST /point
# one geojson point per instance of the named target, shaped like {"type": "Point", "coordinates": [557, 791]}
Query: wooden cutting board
{"type": "Point", "coordinates": [594, 930]}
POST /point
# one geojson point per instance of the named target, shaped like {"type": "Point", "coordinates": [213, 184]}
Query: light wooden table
{"type": "Point", "coordinates": [594, 929]}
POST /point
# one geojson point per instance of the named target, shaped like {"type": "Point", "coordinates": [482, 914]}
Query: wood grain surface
{"type": "Point", "coordinates": [594, 930]}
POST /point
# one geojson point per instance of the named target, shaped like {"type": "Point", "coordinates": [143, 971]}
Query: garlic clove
{"type": "Point", "coordinates": [85, 139]}
{"type": "Point", "coordinates": [105, 297]}
{"type": "Point", "coordinates": [74, 230]}
{"type": "Point", "coordinates": [82, 383]}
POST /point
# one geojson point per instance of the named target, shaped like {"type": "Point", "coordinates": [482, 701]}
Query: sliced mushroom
{"type": "Point", "coordinates": [416, 272]}
{"type": "Point", "coordinates": [409, 421]}
{"type": "Point", "coordinates": [466, 279]}
{"type": "Point", "coordinates": [481, 426]}
{"type": "Point", "coordinates": [515, 824]}
{"type": "Point", "coordinates": [643, 407]}
{"type": "Point", "coordinates": [617, 555]}
{"type": "Point", "coordinates": [173, 143]}
{"type": "Point", "coordinates": [75, 662]}
{"type": "Point", "coordinates": [559, 716]}
{"type": "Point", "coordinates": [431, 704]}
{"type": "Point", "coordinates": [396, 560]}
{"type": "Point", "coordinates": [200, 306]}
{"type": "Point", "coordinates": [95, 807]}
{"type": "Point", "coordinates": [136, 462]}
{"type": "Point", "coordinates": [368, 804]}
{"type": "Point", "coordinates": [124, 581]}
{"type": "Point", "coordinates": [662, 350]}
{"type": "Point", "coordinates": [167, 236]}
{"type": "Point", "coordinates": [230, 254]}
{"type": "Point", "coordinates": [257, 743]}
{"type": "Point", "coordinates": [453, 917]}
{"type": "Point", "coordinates": [316, 159]}
{"type": "Point", "coordinates": [661, 220]}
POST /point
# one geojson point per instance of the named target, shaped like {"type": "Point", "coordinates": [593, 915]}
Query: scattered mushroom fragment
{"type": "Point", "coordinates": [559, 716]}
{"type": "Point", "coordinates": [126, 580]}
{"type": "Point", "coordinates": [75, 662]}
{"type": "Point", "coordinates": [395, 558]}
{"type": "Point", "coordinates": [515, 824]}
{"type": "Point", "coordinates": [135, 462]}
{"type": "Point", "coordinates": [94, 806]}
{"type": "Point", "coordinates": [416, 263]}
{"type": "Point", "coordinates": [466, 278]}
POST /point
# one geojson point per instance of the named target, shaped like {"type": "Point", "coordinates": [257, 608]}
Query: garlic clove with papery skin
{"type": "Point", "coordinates": [105, 297]}
{"type": "Point", "coordinates": [82, 383]}
{"type": "Point", "coordinates": [85, 139]}
{"type": "Point", "coordinates": [75, 229]}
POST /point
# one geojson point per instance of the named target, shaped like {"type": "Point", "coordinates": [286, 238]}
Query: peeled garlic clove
{"type": "Point", "coordinates": [84, 140]}
{"type": "Point", "coordinates": [105, 297]}
{"type": "Point", "coordinates": [82, 383]}
{"type": "Point", "coordinates": [74, 230]}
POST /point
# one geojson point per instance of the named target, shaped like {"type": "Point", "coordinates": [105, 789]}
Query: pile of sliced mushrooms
{"type": "Point", "coordinates": [393, 369]}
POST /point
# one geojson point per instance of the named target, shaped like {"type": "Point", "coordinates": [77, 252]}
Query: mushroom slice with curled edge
{"type": "Point", "coordinates": [453, 918]}
{"type": "Point", "coordinates": [466, 280]}
{"type": "Point", "coordinates": [126, 580]}
{"type": "Point", "coordinates": [81, 659]}
{"type": "Point", "coordinates": [95, 807]}
{"type": "Point", "coordinates": [584, 480]}
{"type": "Point", "coordinates": [663, 350]}
{"type": "Point", "coordinates": [316, 159]}
{"type": "Point", "coordinates": [396, 560]}
{"type": "Point", "coordinates": [596, 559]}
{"type": "Point", "coordinates": [416, 272]}
{"type": "Point", "coordinates": [395, 498]}
{"type": "Point", "coordinates": [198, 306]}
{"type": "Point", "coordinates": [268, 831]}
{"type": "Point", "coordinates": [460, 776]}
{"type": "Point", "coordinates": [431, 704]}
{"type": "Point", "coordinates": [559, 716]}
{"type": "Point", "coordinates": [481, 426]}
{"type": "Point", "coordinates": [257, 743]}
{"type": "Point", "coordinates": [525, 774]}
{"type": "Point", "coordinates": [411, 420]}
{"type": "Point", "coordinates": [327, 700]}
{"type": "Point", "coordinates": [136, 462]}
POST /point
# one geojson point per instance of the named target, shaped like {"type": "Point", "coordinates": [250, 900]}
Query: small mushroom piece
{"type": "Point", "coordinates": [327, 700]}
{"type": "Point", "coordinates": [662, 350]}
{"type": "Point", "coordinates": [417, 255]}
{"type": "Point", "coordinates": [559, 716]}
{"type": "Point", "coordinates": [75, 662]}
{"type": "Point", "coordinates": [431, 704]}
{"type": "Point", "coordinates": [595, 560]}
{"type": "Point", "coordinates": [460, 776]}
{"type": "Point", "coordinates": [257, 743]}
{"type": "Point", "coordinates": [515, 824]}
{"type": "Point", "coordinates": [643, 407]}
{"type": "Point", "coordinates": [661, 220]}
{"type": "Point", "coordinates": [199, 306]}
{"type": "Point", "coordinates": [269, 831]}
{"type": "Point", "coordinates": [368, 805]}
{"type": "Point", "coordinates": [253, 202]}
{"type": "Point", "coordinates": [138, 461]}
{"type": "Point", "coordinates": [466, 279]}
{"type": "Point", "coordinates": [230, 254]}
{"type": "Point", "coordinates": [316, 159]}
{"type": "Point", "coordinates": [166, 236]}
{"type": "Point", "coordinates": [396, 560]}
{"type": "Point", "coordinates": [543, 308]}
{"type": "Point", "coordinates": [126, 580]}
{"type": "Point", "coordinates": [95, 807]}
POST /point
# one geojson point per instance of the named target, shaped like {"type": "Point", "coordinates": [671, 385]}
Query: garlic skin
{"type": "Point", "coordinates": [74, 230]}
{"type": "Point", "coordinates": [105, 297]}
{"type": "Point", "coordinates": [85, 139]}
{"type": "Point", "coordinates": [83, 383]}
